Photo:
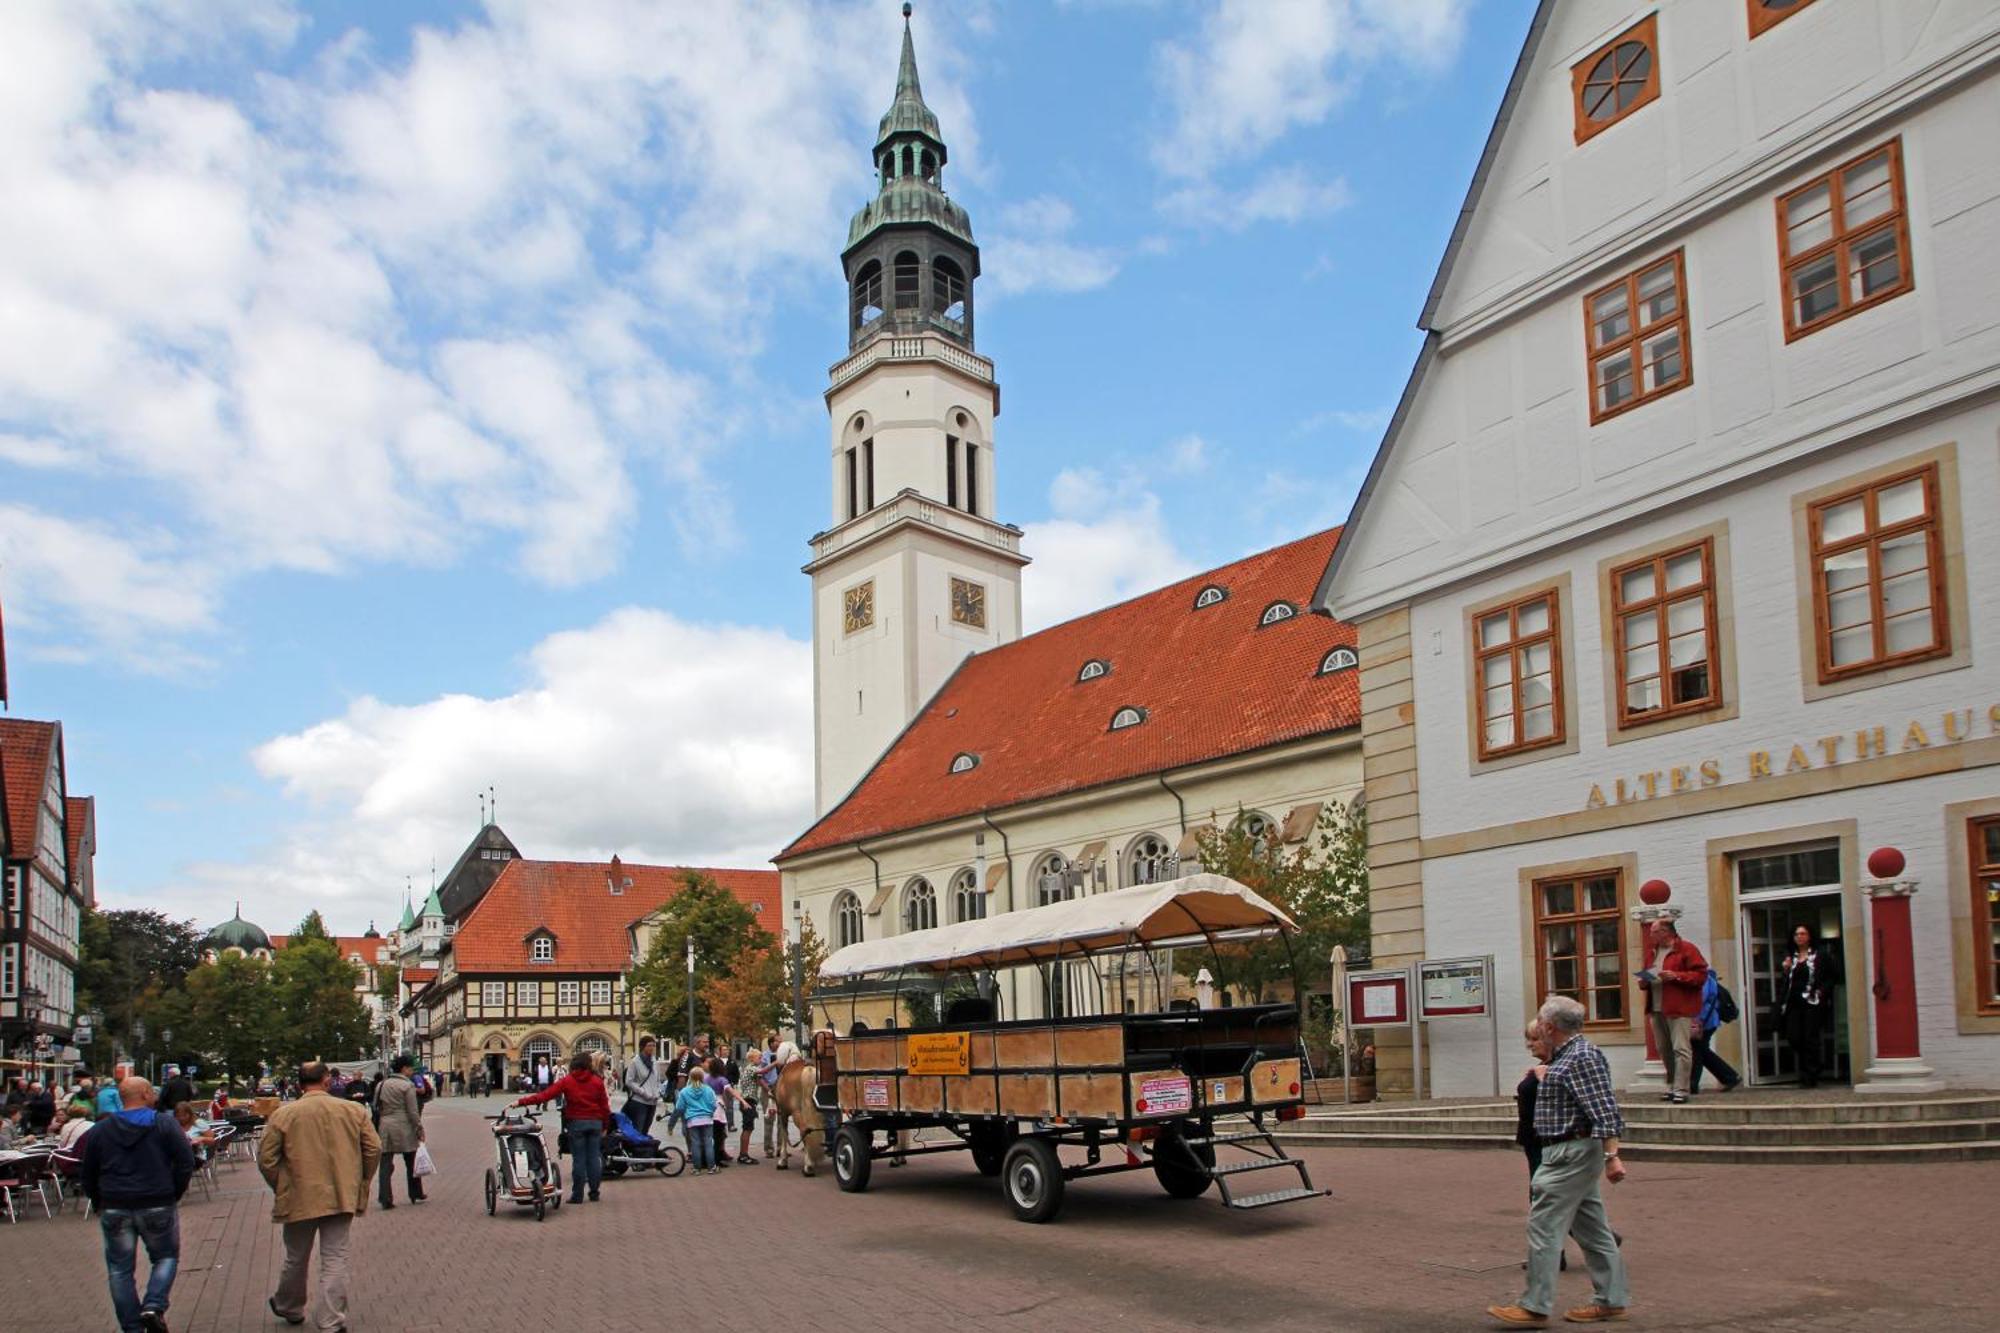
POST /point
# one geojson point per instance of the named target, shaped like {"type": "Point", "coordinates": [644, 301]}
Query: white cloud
{"type": "Point", "coordinates": [1030, 251]}
{"type": "Point", "coordinates": [1187, 456]}
{"type": "Point", "coordinates": [123, 590]}
{"type": "Point", "coordinates": [377, 309]}
{"type": "Point", "coordinates": [643, 734]}
{"type": "Point", "coordinates": [1369, 422]}
{"type": "Point", "coordinates": [1284, 194]}
{"type": "Point", "coordinates": [1105, 541]}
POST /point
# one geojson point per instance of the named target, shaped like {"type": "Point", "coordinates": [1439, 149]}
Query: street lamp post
{"type": "Point", "coordinates": [690, 990]}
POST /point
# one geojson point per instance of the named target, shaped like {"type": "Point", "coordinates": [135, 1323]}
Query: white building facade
{"type": "Point", "coordinates": [1676, 562]}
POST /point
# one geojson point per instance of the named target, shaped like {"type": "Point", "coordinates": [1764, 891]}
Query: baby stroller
{"type": "Point", "coordinates": [626, 1149]}
{"type": "Point", "coordinates": [524, 1174]}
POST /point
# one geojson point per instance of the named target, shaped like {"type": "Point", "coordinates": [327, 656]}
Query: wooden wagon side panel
{"type": "Point", "coordinates": [1274, 1081]}
{"type": "Point", "coordinates": [1100, 1045]}
{"type": "Point", "coordinates": [1093, 1096]}
{"type": "Point", "coordinates": [1028, 1096]}
{"type": "Point", "coordinates": [920, 1092]}
{"type": "Point", "coordinates": [861, 1093]}
{"type": "Point", "coordinates": [981, 1056]}
{"type": "Point", "coordinates": [865, 1053]}
{"type": "Point", "coordinates": [1224, 1091]}
{"type": "Point", "coordinates": [1025, 1048]}
{"type": "Point", "coordinates": [974, 1094]}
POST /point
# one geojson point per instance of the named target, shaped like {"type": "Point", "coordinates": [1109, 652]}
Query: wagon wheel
{"type": "Point", "coordinates": [1182, 1168]}
{"type": "Point", "coordinates": [672, 1161]}
{"type": "Point", "coordinates": [1033, 1176]}
{"type": "Point", "coordinates": [989, 1147]}
{"type": "Point", "coordinates": [853, 1158]}
{"type": "Point", "coordinates": [492, 1191]}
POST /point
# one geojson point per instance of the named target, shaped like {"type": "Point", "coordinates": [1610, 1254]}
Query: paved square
{"type": "Point", "coordinates": [1411, 1241]}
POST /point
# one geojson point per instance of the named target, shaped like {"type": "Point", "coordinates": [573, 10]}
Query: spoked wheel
{"type": "Point", "coordinates": [1182, 1168]}
{"type": "Point", "coordinates": [989, 1148]}
{"type": "Point", "coordinates": [672, 1161]}
{"type": "Point", "coordinates": [1032, 1174]}
{"type": "Point", "coordinates": [852, 1159]}
{"type": "Point", "coordinates": [492, 1191]}
{"type": "Point", "coordinates": [614, 1167]}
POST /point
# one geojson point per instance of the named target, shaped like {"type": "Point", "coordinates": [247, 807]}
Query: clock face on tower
{"type": "Point", "coordinates": [858, 608]}
{"type": "Point", "coordinates": [968, 603]}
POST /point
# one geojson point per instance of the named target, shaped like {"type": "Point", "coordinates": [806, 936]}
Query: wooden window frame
{"type": "Point", "coordinates": [1762, 20]}
{"type": "Point", "coordinates": [1870, 540]}
{"type": "Point", "coordinates": [1514, 645]}
{"type": "Point", "coordinates": [1840, 242]}
{"type": "Point", "coordinates": [1582, 919]}
{"type": "Point", "coordinates": [610, 993]}
{"type": "Point", "coordinates": [1647, 33]}
{"type": "Point", "coordinates": [575, 990]}
{"type": "Point", "coordinates": [1657, 604]}
{"type": "Point", "coordinates": [1984, 913]}
{"type": "Point", "coordinates": [1633, 343]}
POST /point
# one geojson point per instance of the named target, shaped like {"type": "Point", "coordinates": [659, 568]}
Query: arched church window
{"type": "Point", "coordinates": [846, 920]}
{"type": "Point", "coordinates": [930, 165]}
{"type": "Point", "coordinates": [909, 276]}
{"type": "Point", "coordinates": [1257, 828]}
{"type": "Point", "coordinates": [867, 294]}
{"type": "Point", "coordinates": [1148, 860]}
{"type": "Point", "coordinates": [1052, 880]}
{"type": "Point", "coordinates": [967, 902]}
{"type": "Point", "coordinates": [948, 290]}
{"type": "Point", "coordinates": [919, 905]}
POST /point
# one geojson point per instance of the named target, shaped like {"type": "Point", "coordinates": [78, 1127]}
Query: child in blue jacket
{"type": "Point", "coordinates": [694, 1111]}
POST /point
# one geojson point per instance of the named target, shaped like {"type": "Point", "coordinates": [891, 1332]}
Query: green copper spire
{"type": "Point", "coordinates": [909, 161]}
{"type": "Point", "coordinates": [433, 906]}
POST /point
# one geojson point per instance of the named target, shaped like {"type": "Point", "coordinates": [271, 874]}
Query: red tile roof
{"type": "Point", "coordinates": [80, 824]}
{"type": "Point", "coordinates": [349, 945]}
{"type": "Point", "coordinates": [573, 900]}
{"type": "Point", "coordinates": [417, 976]}
{"type": "Point", "coordinates": [29, 748]}
{"type": "Point", "coordinates": [1212, 683]}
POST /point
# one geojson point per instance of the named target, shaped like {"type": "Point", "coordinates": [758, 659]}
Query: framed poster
{"type": "Point", "coordinates": [1453, 988]}
{"type": "Point", "coordinates": [1378, 999]}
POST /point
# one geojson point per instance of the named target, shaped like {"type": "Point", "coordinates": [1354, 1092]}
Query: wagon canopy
{"type": "Point", "coordinates": [1192, 909]}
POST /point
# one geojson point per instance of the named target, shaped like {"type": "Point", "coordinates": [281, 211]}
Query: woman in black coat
{"type": "Point", "coordinates": [1805, 1001]}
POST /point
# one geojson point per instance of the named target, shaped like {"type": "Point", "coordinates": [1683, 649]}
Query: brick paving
{"type": "Point", "coordinates": [1412, 1241]}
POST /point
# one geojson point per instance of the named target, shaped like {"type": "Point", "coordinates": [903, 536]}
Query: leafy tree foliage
{"type": "Point", "coordinates": [224, 1018]}
{"type": "Point", "coordinates": [721, 927]}
{"type": "Point", "coordinates": [320, 1017]}
{"type": "Point", "coordinates": [312, 928]}
{"type": "Point", "coordinates": [1321, 883]}
{"type": "Point", "coordinates": [129, 959]}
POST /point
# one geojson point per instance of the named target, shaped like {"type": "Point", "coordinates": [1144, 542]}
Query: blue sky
{"type": "Point", "coordinates": [400, 398]}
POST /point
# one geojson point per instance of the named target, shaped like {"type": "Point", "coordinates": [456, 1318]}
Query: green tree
{"type": "Point", "coordinates": [230, 1018]}
{"type": "Point", "coordinates": [720, 926]}
{"type": "Point", "coordinates": [313, 927]}
{"type": "Point", "coordinates": [1321, 883]}
{"type": "Point", "coordinates": [126, 954]}
{"type": "Point", "coordinates": [320, 1017]}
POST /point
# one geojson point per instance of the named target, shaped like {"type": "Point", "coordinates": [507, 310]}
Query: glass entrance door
{"type": "Point", "coordinates": [1767, 937]}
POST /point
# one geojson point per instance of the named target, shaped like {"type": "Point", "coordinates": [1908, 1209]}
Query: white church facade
{"type": "Point", "coordinates": [1677, 560]}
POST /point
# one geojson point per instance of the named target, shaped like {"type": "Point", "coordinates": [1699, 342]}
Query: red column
{"type": "Point", "coordinates": [1895, 981]}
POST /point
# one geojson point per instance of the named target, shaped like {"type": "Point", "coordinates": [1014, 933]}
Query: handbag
{"type": "Point", "coordinates": [562, 1142]}
{"type": "Point", "coordinates": [424, 1166]}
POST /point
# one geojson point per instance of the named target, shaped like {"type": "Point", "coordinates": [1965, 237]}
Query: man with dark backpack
{"type": "Point", "coordinates": [1718, 1006]}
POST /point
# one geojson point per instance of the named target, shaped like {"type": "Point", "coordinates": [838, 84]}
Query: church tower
{"type": "Point", "coordinates": [915, 573]}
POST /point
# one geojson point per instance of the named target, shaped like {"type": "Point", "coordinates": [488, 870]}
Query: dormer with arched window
{"type": "Point", "coordinates": [1213, 594]}
{"type": "Point", "coordinates": [1276, 612]}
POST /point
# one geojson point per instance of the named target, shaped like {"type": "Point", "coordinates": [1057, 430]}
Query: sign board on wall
{"type": "Point", "coordinates": [1453, 988]}
{"type": "Point", "coordinates": [940, 1052]}
{"type": "Point", "coordinates": [1378, 999]}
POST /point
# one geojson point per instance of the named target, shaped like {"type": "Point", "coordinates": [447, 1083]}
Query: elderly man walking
{"type": "Point", "coordinates": [318, 1154]}
{"type": "Point", "coordinates": [136, 1165]}
{"type": "Point", "coordinates": [1577, 1123]}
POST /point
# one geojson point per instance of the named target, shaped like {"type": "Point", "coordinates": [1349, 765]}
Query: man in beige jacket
{"type": "Point", "coordinates": [318, 1154]}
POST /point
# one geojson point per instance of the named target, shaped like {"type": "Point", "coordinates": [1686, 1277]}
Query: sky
{"type": "Point", "coordinates": [399, 400]}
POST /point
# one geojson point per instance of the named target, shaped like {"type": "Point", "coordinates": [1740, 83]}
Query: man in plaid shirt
{"type": "Point", "coordinates": [1578, 1123]}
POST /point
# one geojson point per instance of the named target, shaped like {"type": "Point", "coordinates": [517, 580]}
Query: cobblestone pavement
{"type": "Point", "coordinates": [1411, 1241]}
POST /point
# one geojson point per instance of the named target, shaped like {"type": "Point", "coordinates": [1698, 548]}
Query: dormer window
{"type": "Point", "coordinates": [1275, 612]}
{"type": "Point", "coordinates": [618, 884]}
{"type": "Point", "coordinates": [542, 949]}
{"type": "Point", "coordinates": [1210, 595]}
{"type": "Point", "coordinates": [964, 763]}
{"type": "Point", "coordinates": [1340, 659]}
{"type": "Point", "coordinates": [1127, 717]}
{"type": "Point", "coordinates": [1092, 669]}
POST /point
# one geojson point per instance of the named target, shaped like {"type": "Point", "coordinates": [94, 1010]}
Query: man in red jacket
{"type": "Point", "coordinates": [1673, 1001]}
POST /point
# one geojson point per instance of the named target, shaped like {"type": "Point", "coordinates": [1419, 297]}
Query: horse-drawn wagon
{"type": "Point", "coordinates": [1123, 1091]}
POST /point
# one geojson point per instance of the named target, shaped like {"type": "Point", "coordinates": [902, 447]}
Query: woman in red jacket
{"type": "Point", "coordinates": [585, 1112]}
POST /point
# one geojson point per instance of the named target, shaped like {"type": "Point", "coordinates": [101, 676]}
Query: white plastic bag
{"type": "Point", "coordinates": [424, 1165]}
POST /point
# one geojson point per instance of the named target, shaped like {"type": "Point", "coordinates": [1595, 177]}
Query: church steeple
{"type": "Point", "coordinates": [910, 257]}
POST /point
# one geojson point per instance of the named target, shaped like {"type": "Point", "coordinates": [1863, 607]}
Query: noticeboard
{"type": "Point", "coordinates": [1453, 988]}
{"type": "Point", "coordinates": [940, 1052]}
{"type": "Point", "coordinates": [1378, 999]}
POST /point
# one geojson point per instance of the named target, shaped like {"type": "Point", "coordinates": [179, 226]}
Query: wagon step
{"type": "Point", "coordinates": [1254, 1164]}
{"type": "Point", "coordinates": [1278, 1196]}
{"type": "Point", "coordinates": [1253, 1136]}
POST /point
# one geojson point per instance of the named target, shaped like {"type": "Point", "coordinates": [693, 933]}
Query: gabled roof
{"type": "Point", "coordinates": [80, 823]}
{"type": "Point", "coordinates": [29, 748]}
{"type": "Point", "coordinates": [1211, 682]}
{"type": "Point", "coordinates": [574, 902]}
{"type": "Point", "coordinates": [365, 945]}
{"type": "Point", "coordinates": [471, 874]}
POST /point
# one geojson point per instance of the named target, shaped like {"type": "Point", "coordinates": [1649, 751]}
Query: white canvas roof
{"type": "Point", "coordinates": [1194, 907]}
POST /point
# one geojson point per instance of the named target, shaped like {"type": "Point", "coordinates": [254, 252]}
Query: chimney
{"type": "Point", "coordinates": [616, 881]}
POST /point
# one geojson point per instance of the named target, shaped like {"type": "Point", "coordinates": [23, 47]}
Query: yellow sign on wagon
{"type": "Point", "coordinates": [940, 1052]}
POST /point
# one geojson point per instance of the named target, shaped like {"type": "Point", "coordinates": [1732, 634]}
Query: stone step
{"type": "Point", "coordinates": [1641, 1128]}
{"type": "Point", "coordinates": [1722, 1154]}
{"type": "Point", "coordinates": [1710, 1107]}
